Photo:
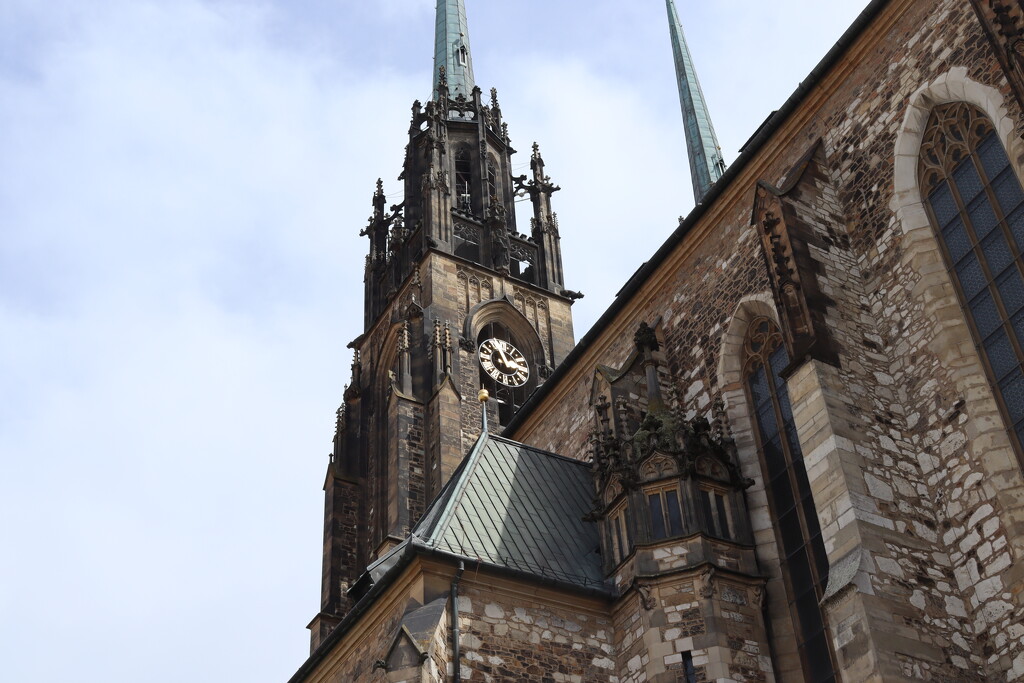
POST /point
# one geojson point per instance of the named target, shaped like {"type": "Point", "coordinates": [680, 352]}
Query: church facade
{"type": "Point", "coordinates": [791, 449]}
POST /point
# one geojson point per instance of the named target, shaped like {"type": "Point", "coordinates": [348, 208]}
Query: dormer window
{"type": "Point", "coordinates": [462, 55]}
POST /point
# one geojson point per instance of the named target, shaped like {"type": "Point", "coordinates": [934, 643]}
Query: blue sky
{"type": "Point", "coordinates": [182, 184]}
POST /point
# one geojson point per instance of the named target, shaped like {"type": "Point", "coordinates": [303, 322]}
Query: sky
{"type": "Point", "coordinates": [182, 184]}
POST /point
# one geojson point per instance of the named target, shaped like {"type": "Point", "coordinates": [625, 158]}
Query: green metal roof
{"type": "Point", "coordinates": [451, 48]}
{"type": "Point", "coordinates": [520, 508]}
{"type": "Point", "coordinates": [706, 163]}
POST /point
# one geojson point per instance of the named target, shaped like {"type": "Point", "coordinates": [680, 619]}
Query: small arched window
{"type": "Point", "coordinates": [509, 398]}
{"type": "Point", "coordinates": [976, 205]}
{"type": "Point", "coordinates": [794, 516]}
{"type": "Point", "coordinates": [492, 182]}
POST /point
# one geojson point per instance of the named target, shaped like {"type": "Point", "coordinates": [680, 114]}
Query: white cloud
{"type": "Point", "coordinates": [181, 190]}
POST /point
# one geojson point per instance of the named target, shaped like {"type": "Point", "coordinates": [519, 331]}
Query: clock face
{"type": "Point", "coordinates": [503, 362]}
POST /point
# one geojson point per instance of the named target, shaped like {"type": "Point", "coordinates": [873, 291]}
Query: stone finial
{"type": "Point", "coordinates": [645, 338]}
{"type": "Point", "coordinates": [602, 414]}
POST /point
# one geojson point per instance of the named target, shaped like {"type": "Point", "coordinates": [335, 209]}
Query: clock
{"type": "Point", "coordinates": [503, 362]}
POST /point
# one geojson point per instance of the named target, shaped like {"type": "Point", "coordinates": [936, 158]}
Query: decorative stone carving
{"type": "Point", "coordinates": [707, 579]}
{"type": "Point", "coordinates": [785, 243]}
{"type": "Point", "coordinates": [647, 600]}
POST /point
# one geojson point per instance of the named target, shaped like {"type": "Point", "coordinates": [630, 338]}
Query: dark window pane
{"type": "Point", "coordinates": [1020, 434]}
{"type": "Point", "coordinates": [942, 204]}
{"type": "Point", "coordinates": [956, 240]}
{"type": "Point", "coordinates": [971, 277]}
{"type": "Point", "coordinates": [983, 218]}
{"type": "Point", "coordinates": [810, 515]}
{"type": "Point", "coordinates": [1011, 290]}
{"type": "Point", "coordinates": [705, 511]}
{"type": "Point", "coordinates": [1007, 191]}
{"type": "Point", "coordinates": [619, 551]}
{"type": "Point", "coordinates": [1001, 355]}
{"type": "Point", "coordinates": [779, 360]}
{"type": "Point", "coordinates": [1012, 389]}
{"type": "Point", "coordinates": [818, 659]}
{"type": "Point", "coordinates": [775, 459]}
{"type": "Point", "coordinates": [766, 421]}
{"type": "Point", "coordinates": [723, 518]}
{"type": "Point", "coordinates": [808, 613]}
{"type": "Point", "coordinates": [792, 534]}
{"type": "Point", "coordinates": [675, 518]}
{"type": "Point", "coordinates": [967, 180]}
{"type": "Point", "coordinates": [997, 252]}
{"type": "Point", "coordinates": [657, 518]}
{"type": "Point", "coordinates": [986, 317]}
{"type": "Point", "coordinates": [782, 493]}
{"type": "Point", "coordinates": [993, 158]}
{"type": "Point", "coordinates": [800, 573]}
{"type": "Point", "coordinates": [759, 388]}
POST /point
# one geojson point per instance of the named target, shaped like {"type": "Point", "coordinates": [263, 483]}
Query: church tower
{"type": "Point", "coordinates": [458, 297]}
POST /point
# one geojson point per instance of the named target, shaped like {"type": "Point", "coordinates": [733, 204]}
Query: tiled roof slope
{"type": "Point", "coordinates": [520, 508]}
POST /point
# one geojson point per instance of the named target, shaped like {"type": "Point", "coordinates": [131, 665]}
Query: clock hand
{"type": "Point", "coordinates": [506, 361]}
{"type": "Point", "coordinates": [501, 351]}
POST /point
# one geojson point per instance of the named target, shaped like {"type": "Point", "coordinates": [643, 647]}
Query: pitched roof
{"type": "Point", "coordinates": [520, 508]}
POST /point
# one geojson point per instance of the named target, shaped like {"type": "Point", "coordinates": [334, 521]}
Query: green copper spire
{"type": "Point", "coordinates": [706, 163]}
{"type": "Point", "coordinates": [451, 49]}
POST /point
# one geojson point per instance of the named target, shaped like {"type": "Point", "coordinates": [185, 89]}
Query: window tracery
{"type": "Point", "coordinates": [975, 203]}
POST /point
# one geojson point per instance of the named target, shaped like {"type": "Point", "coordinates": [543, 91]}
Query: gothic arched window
{"type": "Point", "coordinates": [463, 180]}
{"type": "Point", "coordinates": [803, 560]}
{"type": "Point", "coordinates": [975, 202]}
{"type": "Point", "coordinates": [492, 181]}
{"type": "Point", "coordinates": [508, 398]}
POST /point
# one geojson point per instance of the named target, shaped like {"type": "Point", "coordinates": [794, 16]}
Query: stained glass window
{"type": "Point", "coordinates": [804, 563]}
{"type": "Point", "coordinates": [976, 204]}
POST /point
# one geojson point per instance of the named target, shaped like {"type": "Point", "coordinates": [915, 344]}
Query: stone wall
{"type": "Point", "coordinates": [509, 637]}
{"type": "Point", "coordinates": [918, 495]}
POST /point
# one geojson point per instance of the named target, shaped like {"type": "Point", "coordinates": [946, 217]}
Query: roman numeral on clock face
{"type": "Point", "coordinates": [503, 362]}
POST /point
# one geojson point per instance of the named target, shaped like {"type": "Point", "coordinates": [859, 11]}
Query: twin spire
{"type": "Point", "coordinates": [706, 163]}
{"type": "Point", "coordinates": [451, 49]}
{"type": "Point", "coordinates": [453, 56]}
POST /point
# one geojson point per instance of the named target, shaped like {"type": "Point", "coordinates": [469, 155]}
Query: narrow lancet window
{"type": "Point", "coordinates": [463, 180]}
{"type": "Point", "coordinates": [797, 531]}
{"type": "Point", "coordinates": [976, 205]}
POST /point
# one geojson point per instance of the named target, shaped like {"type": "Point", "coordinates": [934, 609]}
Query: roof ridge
{"type": "Point", "coordinates": [576, 461]}
{"type": "Point", "coordinates": [458, 490]}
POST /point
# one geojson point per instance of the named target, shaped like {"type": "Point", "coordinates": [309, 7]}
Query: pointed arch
{"type": "Point", "coordinates": [936, 289]}
{"type": "Point", "coordinates": [990, 451]}
{"type": "Point", "coordinates": [501, 310]}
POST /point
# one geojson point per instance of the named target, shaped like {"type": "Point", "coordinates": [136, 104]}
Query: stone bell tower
{"type": "Point", "coordinates": [458, 296]}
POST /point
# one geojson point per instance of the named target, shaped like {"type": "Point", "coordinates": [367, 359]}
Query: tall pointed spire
{"type": "Point", "coordinates": [451, 49]}
{"type": "Point", "coordinates": [706, 163]}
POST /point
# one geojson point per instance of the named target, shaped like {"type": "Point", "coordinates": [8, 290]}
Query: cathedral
{"type": "Point", "coordinates": [791, 450]}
